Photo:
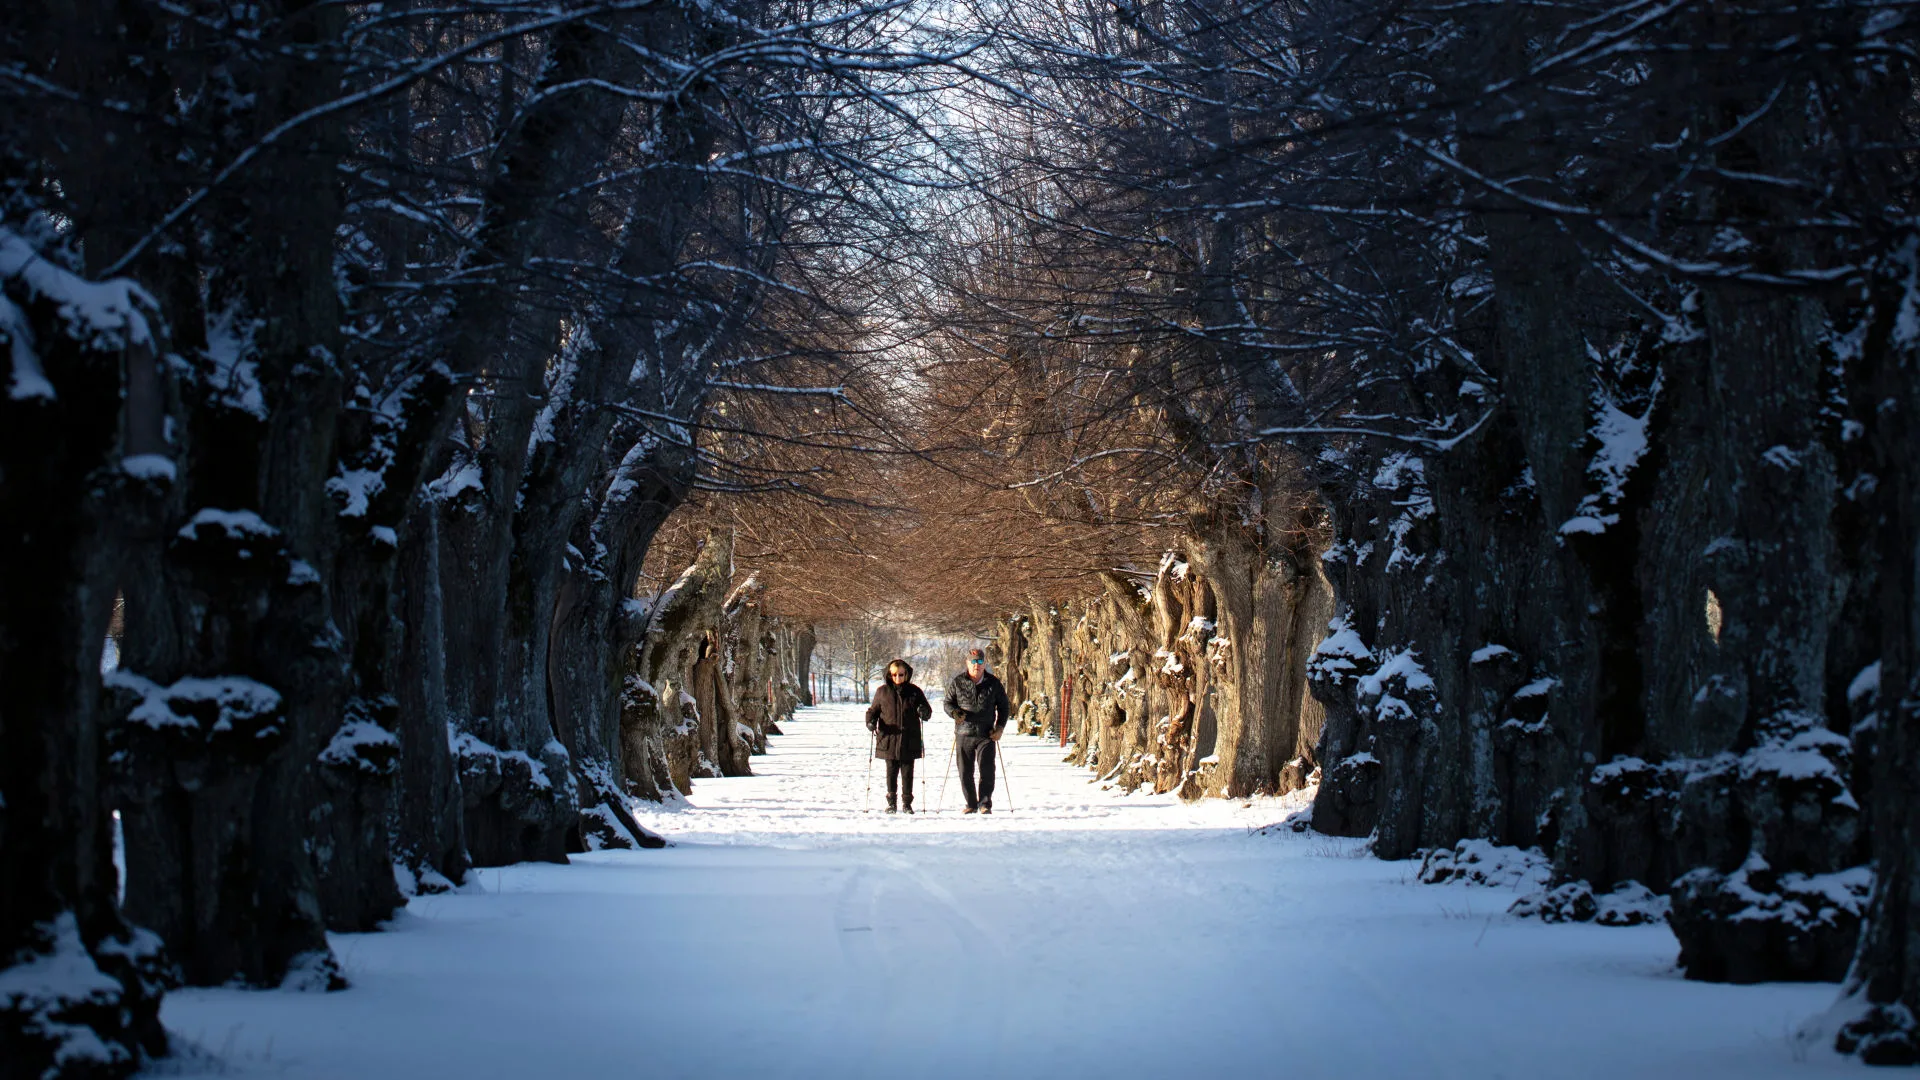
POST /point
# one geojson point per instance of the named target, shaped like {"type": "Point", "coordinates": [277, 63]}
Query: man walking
{"type": "Point", "coordinates": [978, 704]}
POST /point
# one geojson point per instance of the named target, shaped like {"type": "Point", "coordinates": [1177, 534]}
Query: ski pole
{"type": "Point", "coordinates": [1003, 774]}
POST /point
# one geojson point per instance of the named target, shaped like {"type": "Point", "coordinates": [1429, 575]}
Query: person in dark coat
{"type": "Point", "coordinates": [978, 704]}
{"type": "Point", "coordinates": [894, 717]}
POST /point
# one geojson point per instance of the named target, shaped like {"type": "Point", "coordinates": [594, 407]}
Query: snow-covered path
{"type": "Point", "coordinates": [1084, 934]}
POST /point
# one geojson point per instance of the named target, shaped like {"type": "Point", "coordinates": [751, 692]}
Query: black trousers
{"type": "Point", "coordinates": [975, 752]}
{"type": "Point", "coordinates": [897, 773]}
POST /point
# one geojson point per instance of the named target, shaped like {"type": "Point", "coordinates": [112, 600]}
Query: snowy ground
{"type": "Point", "coordinates": [1076, 932]}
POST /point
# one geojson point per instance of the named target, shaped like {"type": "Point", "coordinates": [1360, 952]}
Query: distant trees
{"type": "Point", "coordinates": [864, 646]}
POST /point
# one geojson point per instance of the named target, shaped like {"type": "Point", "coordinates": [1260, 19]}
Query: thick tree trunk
{"type": "Point", "coordinates": [1771, 573]}
{"type": "Point", "coordinates": [602, 629]}
{"type": "Point", "coordinates": [795, 657]}
{"type": "Point", "coordinates": [1268, 611]}
{"type": "Point", "coordinates": [66, 469]}
{"type": "Point", "coordinates": [1884, 983]}
{"type": "Point", "coordinates": [518, 789]}
{"type": "Point", "coordinates": [803, 645]}
{"type": "Point", "coordinates": [752, 657]}
{"type": "Point", "coordinates": [236, 674]}
{"type": "Point", "coordinates": [661, 724]}
{"type": "Point", "coordinates": [429, 831]}
{"type": "Point", "coordinates": [358, 770]}
{"type": "Point", "coordinates": [1458, 680]}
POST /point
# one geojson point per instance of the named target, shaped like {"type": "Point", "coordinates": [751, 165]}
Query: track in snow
{"type": "Point", "coordinates": [1087, 933]}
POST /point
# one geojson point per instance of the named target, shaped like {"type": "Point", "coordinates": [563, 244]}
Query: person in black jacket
{"type": "Point", "coordinates": [979, 707]}
{"type": "Point", "coordinates": [898, 710]}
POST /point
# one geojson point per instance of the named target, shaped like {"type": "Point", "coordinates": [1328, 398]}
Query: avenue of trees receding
{"type": "Point", "coordinates": [455, 421]}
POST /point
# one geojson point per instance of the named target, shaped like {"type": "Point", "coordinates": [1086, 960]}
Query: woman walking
{"type": "Point", "coordinates": [898, 710]}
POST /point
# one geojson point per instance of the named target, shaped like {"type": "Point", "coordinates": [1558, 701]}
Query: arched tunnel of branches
{"type": "Point", "coordinates": [460, 421]}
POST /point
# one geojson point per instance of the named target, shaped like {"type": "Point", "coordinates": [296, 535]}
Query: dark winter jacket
{"type": "Point", "coordinates": [978, 708]}
{"type": "Point", "coordinates": [895, 718]}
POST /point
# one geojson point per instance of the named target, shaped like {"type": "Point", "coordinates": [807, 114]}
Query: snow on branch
{"type": "Point", "coordinates": [103, 315]}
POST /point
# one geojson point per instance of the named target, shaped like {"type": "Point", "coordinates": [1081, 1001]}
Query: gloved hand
{"type": "Point", "coordinates": [997, 732]}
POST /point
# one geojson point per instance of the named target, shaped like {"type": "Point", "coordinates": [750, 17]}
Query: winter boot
{"type": "Point", "coordinates": [906, 805]}
{"type": "Point", "coordinates": [891, 807]}
{"type": "Point", "coordinates": [986, 808]}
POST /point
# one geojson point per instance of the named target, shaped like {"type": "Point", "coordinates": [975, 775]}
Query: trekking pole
{"type": "Point", "coordinates": [873, 744]}
{"type": "Point", "coordinates": [953, 762]}
{"type": "Point", "coordinates": [1003, 775]}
